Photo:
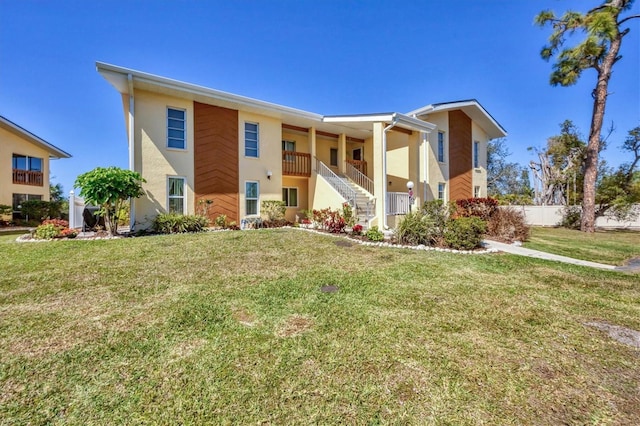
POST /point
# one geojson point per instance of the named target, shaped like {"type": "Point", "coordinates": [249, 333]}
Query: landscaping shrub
{"type": "Point", "coordinates": [46, 232]}
{"type": "Point", "coordinates": [508, 224]}
{"type": "Point", "coordinates": [320, 218]}
{"type": "Point", "coordinates": [273, 209]}
{"type": "Point", "coordinates": [374, 234]}
{"type": "Point", "coordinates": [464, 233]}
{"type": "Point", "coordinates": [356, 229]}
{"type": "Point", "coordinates": [221, 221]}
{"type": "Point", "coordinates": [172, 223]}
{"type": "Point", "coordinates": [347, 214]}
{"type": "Point", "coordinates": [335, 222]}
{"type": "Point", "coordinates": [417, 228]}
{"type": "Point", "coordinates": [571, 217]}
{"type": "Point", "coordinates": [276, 223]}
{"type": "Point", "coordinates": [476, 207]}
{"type": "Point", "coordinates": [39, 210]}
{"type": "Point", "coordinates": [438, 213]}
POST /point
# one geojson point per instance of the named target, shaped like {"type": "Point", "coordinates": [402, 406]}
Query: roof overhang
{"type": "Point", "coordinates": [472, 108]}
{"type": "Point", "coordinates": [10, 126]}
{"type": "Point", "coordinates": [395, 118]}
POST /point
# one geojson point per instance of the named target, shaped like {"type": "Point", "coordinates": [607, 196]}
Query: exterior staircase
{"type": "Point", "coordinates": [365, 203]}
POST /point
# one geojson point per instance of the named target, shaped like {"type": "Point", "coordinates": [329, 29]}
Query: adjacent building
{"type": "Point", "coordinates": [24, 165]}
{"type": "Point", "coordinates": [210, 152]}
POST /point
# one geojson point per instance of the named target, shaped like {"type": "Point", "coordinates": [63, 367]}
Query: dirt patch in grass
{"type": "Point", "coordinates": [294, 325]}
{"type": "Point", "coordinates": [243, 317]}
{"type": "Point", "coordinates": [623, 335]}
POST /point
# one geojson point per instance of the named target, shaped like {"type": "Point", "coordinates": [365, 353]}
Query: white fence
{"type": "Point", "coordinates": [76, 207]}
{"type": "Point", "coordinates": [552, 215]}
{"type": "Point", "coordinates": [397, 203]}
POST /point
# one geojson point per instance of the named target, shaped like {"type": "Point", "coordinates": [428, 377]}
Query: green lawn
{"type": "Point", "coordinates": [232, 327]}
{"type": "Point", "coordinates": [610, 247]}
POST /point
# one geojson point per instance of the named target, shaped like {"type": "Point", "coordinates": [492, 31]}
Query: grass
{"type": "Point", "coordinates": [232, 327]}
{"type": "Point", "coordinates": [612, 247]}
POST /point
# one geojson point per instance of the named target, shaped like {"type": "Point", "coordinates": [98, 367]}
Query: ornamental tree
{"type": "Point", "coordinates": [598, 50]}
{"type": "Point", "coordinates": [108, 188]}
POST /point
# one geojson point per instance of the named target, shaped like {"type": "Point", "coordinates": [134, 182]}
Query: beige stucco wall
{"type": "Point", "coordinates": [480, 173]}
{"type": "Point", "coordinates": [269, 158]}
{"type": "Point", "coordinates": [436, 171]}
{"type": "Point", "coordinates": [10, 144]}
{"type": "Point", "coordinates": [303, 196]}
{"type": "Point", "coordinates": [325, 196]}
{"type": "Point", "coordinates": [323, 151]}
{"type": "Point", "coordinates": [154, 160]}
{"type": "Point", "coordinates": [301, 140]}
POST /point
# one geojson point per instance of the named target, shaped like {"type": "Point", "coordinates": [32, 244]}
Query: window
{"type": "Point", "coordinates": [251, 140]}
{"type": "Point", "coordinates": [441, 147]}
{"type": "Point", "coordinates": [176, 195]}
{"type": "Point", "coordinates": [290, 197]}
{"type": "Point", "coordinates": [22, 162]}
{"type": "Point", "coordinates": [251, 195]}
{"type": "Point", "coordinates": [476, 192]}
{"type": "Point", "coordinates": [289, 146]}
{"type": "Point", "coordinates": [333, 157]}
{"type": "Point", "coordinates": [441, 189]}
{"type": "Point", "coordinates": [18, 199]}
{"type": "Point", "coordinates": [476, 161]}
{"type": "Point", "coordinates": [176, 128]}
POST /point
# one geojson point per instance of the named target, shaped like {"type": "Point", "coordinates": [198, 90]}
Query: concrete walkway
{"type": "Point", "coordinates": [521, 251]}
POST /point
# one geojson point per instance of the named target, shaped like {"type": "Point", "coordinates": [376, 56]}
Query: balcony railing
{"type": "Point", "coordinates": [296, 164]}
{"type": "Point", "coordinates": [28, 177]}
{"type": "Point", "coordinates": [359, 165]}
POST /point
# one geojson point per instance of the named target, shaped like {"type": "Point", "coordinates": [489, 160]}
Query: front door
{"type": "Point", "coordinates": [357, 154]}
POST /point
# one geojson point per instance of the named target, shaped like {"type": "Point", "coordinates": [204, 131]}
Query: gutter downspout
{"type": "Point", "coordinates": [425, 145]}
{"type": "Point", "coordinates": [394, 121]}
{"type": "Point", "coordinates": [132, 150]}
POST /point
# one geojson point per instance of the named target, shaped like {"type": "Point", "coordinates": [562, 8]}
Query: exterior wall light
{"type": "Point", "coordinates": [269, 174]}
{"type": "Point", "coordinates": [410, 189]}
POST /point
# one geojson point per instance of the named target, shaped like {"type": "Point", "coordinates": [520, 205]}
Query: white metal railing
{"type": "Point", "coordinates": [337, 183]}
{"type": "Point", "coordinates": [397, 203]}
{"type": "Point", "coordinates": [359, 178]}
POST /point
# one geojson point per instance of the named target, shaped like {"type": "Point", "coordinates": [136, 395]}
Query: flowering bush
{"type": "Point", "coordinates": [357, 229]}
{"type": "Point", "coordinates": [68, 233]}
{"type": "Point", "coordinates": [54, 228]}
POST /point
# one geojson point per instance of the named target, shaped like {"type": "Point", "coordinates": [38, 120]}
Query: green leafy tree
{"type": "Point", "coordinates": [109, 188]}
{"type": "Point", "coordinates": [619, 190]}
{"type": "Point", "coordinates": [598, 50]}
{"type": "Point", "coordinates": [506, 181]}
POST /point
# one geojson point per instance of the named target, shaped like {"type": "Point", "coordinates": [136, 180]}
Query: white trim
{"type": "Point", "coordinates": [397, 118]}
{"type": "Point", "coordinates": [184, 192]}
{"type": "Point", "coordinates": [16, 129]}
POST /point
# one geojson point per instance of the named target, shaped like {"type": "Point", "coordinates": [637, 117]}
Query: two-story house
{"type": "Point", "coordinates": [24, 165]}
{"type": "Point", "coordinates": [206, 151]}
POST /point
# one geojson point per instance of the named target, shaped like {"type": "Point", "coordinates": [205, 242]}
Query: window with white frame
{"type": "Point", "coordinates": [251, 196]}
{"type": "Point", "coordinates": [476, 192]}
{"type": "Point", "coordinates": [251, 146]}
{"type": "Point", "coordinates": [176, 128]}
{"type": "Point", "coordinates": [476, 154]}
{"type": "Point", "coordinates": [441, 191]}
{"type": "Point", "coordinates": [290, 197]}
{"type": "Point", "coordinates": [441, 147]}
{"type": "Point", "coordinates": [176, 194]}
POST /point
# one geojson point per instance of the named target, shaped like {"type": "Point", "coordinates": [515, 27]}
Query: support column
{"type": "Point", "coordinates": [379, 177]}
{"type": "Point", "coordinates": [312, 147]}
{"type": "Point", "coordinates": [342, 152]}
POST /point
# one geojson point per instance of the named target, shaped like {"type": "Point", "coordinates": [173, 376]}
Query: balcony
{"type": "Point", "coordinates": [28, 177]}
{"type": "Point", "coordinates": [296, 164]}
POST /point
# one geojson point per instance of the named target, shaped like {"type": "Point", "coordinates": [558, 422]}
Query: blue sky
{"type": "Point", "coordinates": [328, 57]}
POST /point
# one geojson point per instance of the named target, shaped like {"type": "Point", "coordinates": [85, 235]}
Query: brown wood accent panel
{"type": "Point", "coordinates": [400, 130]}
{"type": "Point", "coordinates": [296, 128]}
{"type": "Point", "coordinates": [352, 139]}
{"type": "Point", "coordinates": [216, 161]}
{"type": "Point", "coordinates": [460, 172]}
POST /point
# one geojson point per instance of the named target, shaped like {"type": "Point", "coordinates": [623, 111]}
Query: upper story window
{"type": "Point", "coordinates": [441, 147]}
{"type": "Point", "coordinates": [22, 162]}
{"type": "Point", "coordinates": [476, 154]}
{"type": "Point", "coordinates": [251, 140]}
{"type": "Point", "coordinates": [176, 129]}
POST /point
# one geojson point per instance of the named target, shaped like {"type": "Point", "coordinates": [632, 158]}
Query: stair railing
{"type": "Point", "coordinates": [337, 183]}
{"type": "Point", "coordinates": [359, 178]}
